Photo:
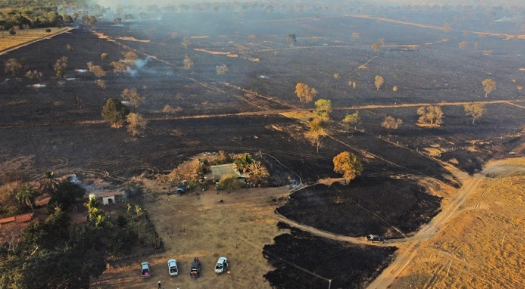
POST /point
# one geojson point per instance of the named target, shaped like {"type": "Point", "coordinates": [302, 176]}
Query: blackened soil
{"type": "Point", "coordinates": [348, 266]}
{"type": "Point", "coordinates": [365, 206]}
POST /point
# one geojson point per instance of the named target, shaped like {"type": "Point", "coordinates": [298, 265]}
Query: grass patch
{"type": "Point", "coordinates": [23, 36]}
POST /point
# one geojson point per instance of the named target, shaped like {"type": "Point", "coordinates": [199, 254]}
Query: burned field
{"type": "Point", "coordinates": [346, 266]}
{"type": "Point", "coordinates": [389, 207]}
{"type": "Point", "coordinates": [58, 126]}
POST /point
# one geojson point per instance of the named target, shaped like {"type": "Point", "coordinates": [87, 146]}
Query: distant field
{"type": "Point", "coordinates": [23, 36]}
{"type": "Point", "coordinates": [482, 247]}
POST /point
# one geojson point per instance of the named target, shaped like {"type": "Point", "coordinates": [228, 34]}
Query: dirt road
{"type": "Point", "coordinates": [406, 253]}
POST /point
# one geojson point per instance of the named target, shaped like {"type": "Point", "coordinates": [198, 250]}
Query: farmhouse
{"type": "Point", "coordinates": [218, 171]}
{"type": "Point", "coordinates": [108, 197]}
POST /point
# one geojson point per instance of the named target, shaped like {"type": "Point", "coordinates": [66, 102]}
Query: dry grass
{"type": "Point", "coordinates": [482, 247]}
{"type": "Point", "coordinates": [23, 36]}
{"type": "Point", "coordinates": [302, 115]}
{"type": "Point", "coordinates": [197, 225]}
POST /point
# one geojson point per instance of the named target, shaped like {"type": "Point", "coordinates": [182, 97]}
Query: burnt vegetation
{"type": "Point", "coordinates": [383, 96]}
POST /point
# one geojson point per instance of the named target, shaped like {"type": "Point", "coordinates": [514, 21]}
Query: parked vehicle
{"type": "Point", "coordinates": [222, 265]}
{"type": "Point", "coordinates": [375, 238]}
{"type": "Point", "coordinates": [145, 272]}
{"type": "Point", "coordinates": [195, 268]}
{"type": "Point", "coordinates": [172, 267]}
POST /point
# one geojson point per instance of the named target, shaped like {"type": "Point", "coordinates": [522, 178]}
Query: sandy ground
{"type": "Point", "coordinates": [197, 225]}
{"type": "Point", "coordinates": [460, 247]}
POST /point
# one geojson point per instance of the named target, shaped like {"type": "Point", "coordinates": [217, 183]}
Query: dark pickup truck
{"type": "Point", "coordinates": [195, 268]}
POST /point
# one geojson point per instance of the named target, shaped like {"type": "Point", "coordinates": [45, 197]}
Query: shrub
{"type": "Point", "coordinates": [12, 31]}
{"type": "Point", "coordinates": [48, 30]}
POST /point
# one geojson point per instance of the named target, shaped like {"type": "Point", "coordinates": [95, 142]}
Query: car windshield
{"type": "Point", "coordinates": [219, 266]}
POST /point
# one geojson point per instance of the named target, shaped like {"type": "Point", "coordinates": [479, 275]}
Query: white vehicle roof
{"type": "Point", "coordinates": [172, 261]}
{"type": "Point", "coordinates": [222, 259]}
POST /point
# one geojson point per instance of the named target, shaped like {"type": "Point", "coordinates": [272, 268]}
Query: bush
{"type": "Point", "coordinates": [121, 221]}
{"type": "Point", "coordinates": [114, 112]}
{"type": "Point", "coordinates": [12, 31]}
{"type": "Point", "coordinates": [122, 243]}
{"type": "Point", "coordinates": [48, 30]}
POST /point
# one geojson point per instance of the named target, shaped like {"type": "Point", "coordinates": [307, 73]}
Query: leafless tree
{"type": "Point", "coordinates": [379, 81]}
{"type": "Point", "coordinates": [391, 123]}
{"type": "Point", "coordinates": [475, 110]}
{"type": "Point", "coordinates": [489, 86]}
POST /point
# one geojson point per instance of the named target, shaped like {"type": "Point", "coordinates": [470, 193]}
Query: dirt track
{"type": "Point", "coordinates": [406, 254]}
{"type": "Point", "coordinates": [409, 246]}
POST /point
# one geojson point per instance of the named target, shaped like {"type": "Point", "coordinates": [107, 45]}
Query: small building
{"type": "Point", "coordinates": [108, 198]}
{"type": "Point", "coordinates": [218, 171]}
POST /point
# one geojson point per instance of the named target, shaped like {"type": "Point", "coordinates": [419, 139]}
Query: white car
{"type": "Point", "coordinates": [145, 272]}
{"type": "Point", "coordinates": [222, 265]}
{"type": "Point", "coordinates": [172, 267]}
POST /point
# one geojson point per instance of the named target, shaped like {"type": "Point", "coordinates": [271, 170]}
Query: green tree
{"type": "Point", "coordinates": [229, 182]}
{"type": "Point", "coordinates": [66, 194]}
{"type": "Point", "coordinates": [323, 108]}
{"type": "Point", "coordinates": [243, 161]}
{"type": "Point", "coordinates": [26, 195]}
{"type": "Point", "coordinates": [352, 119]}
{"type": "Point", "coordinates": [114, 112]}
{"type": "Point", "coordinates": [348, 164]}
{"type": "Point", "coordinates": [317, 132]}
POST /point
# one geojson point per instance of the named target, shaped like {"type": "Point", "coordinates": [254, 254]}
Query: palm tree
{"type": "Point", "coordinates": [27, 195]}
{"type": "Point", "coordinates": [48, 184]}
{"type": "Point", "coordinates": [138, 210]}
{"type": "Point", "coordinates": [91, 205]}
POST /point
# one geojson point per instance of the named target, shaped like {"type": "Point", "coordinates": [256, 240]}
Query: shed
{"type": "Point", "coordinates": [218, 171]}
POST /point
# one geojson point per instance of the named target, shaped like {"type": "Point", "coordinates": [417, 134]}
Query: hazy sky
{"type": "Point", "coordinates": [161, 3]}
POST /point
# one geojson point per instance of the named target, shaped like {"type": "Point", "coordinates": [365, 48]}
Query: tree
{"type": "Point", "coordinates": [348, 164]}
{"type": "Point", "coordinates": [104, 56]}
{"type": "Point", "coordinates": [304, 92]}
{"type": "Point", "coordinates": [352, 119]}
{"type": "Point", "coordinates": [222, 69]}
{"type": "Point", "coordinates": [431, 115]}
{"type": "Point", "coordinates": [186, 42]}
{"type": "Point", "coordinates": [379, 81]}
{"type": "Point", "coordinates": [375, 46]}
{"type": "Point", "coordinates": [317, 132]}
{"type": "Point", "coordinates": [489, 86]}
{"type": "Point", "coordinates": [60, 66]}
{"type": "Point", "coordinates": [323, 108]}
{"type": "Point", "coordinates": [97, 70]}
{"type": "Point", "coordinates": [91, 205]}
{"type": "Point", "coordinates": [291, 38]}
{"type": "Point", "coordinates": [243, 161]}
{"type": "Point", "coordinates": [48, 184]}
{"type": "Point", "coordinates": [475, 110]}
{"type": "Point", "coordinates": [13, 66]}
{"type": "Point", "coordinates": [188, 63]}
{"type": "Point", "coordinates": [133, 96]}
{"type": "Point", "coordinates": [229, 182]}
{"type": "Point", "coordinates": [463, 44]}
{"type": "Point", "coordinates": [64, 196]}
{"type": "Point", "coordinates": [391, 123]}
{"type": "Point", "coordinates": [257, 173]}
{"type": "Point", "coordinates": [34, 75]}
{"type": "Point", "coordinates": [114, 112]}
{"type": "Point", "coordinates": [395, 88]}
{"type": "Point", "coordinates": [137, 124]}
{"type": "Point", "coordinates": [26, 195]}
{"type": "Point", "coordinates": [382, 41]}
